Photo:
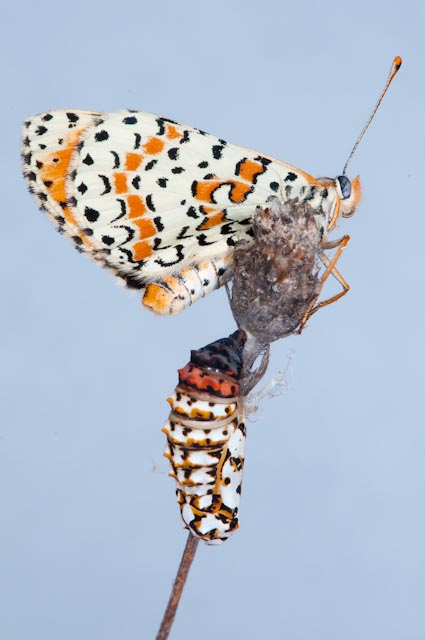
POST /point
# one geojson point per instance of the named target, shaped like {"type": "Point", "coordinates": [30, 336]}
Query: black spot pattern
{"type": "Point", "coordinates": [291, 177]}
{"type": "Point", "coordinates": [116, 159]}
{"type": "Point", "coordinates": [173, 153]}
{"type": "Point", "coordinates": [202, 240]}
{"type": "Point", "coordinates": [182, 233]}
{"type": "Point", "coordinates": [310, 195]}
{"type": "Point", "coordinates": [88, 160]}
{"type": "Point", "coordinates": [101, 136]}
{"type": "Point", "coordinates": [217, 151]}
{"type": "Point", "coordinates": [92, 215]}
{"type": "Point", "coordinates": [226, 229]}
{"type": "Point", "coordinates": [161, 126]}
{"type": "Point", "coordinates": [123, 207]}
{"type": "Point", "coordinates": [170, 263]}
{"type": "Point", "coordinates": [149, 202]}
{"type": "Point", "coordinates": [82, 188]}
{"type": "Point", "coordinates": [137, 140]}
{"type": "Point", "coordinates": [106, 185]}
{"type": "Point", "coordinates": [158, 223]}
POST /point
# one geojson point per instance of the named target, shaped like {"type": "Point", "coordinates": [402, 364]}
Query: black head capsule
{"type": "Point", "coordinates": [343, 187]}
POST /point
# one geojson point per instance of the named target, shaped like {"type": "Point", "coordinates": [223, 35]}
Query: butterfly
{"type": "Point", "coordinates": [162, 205]}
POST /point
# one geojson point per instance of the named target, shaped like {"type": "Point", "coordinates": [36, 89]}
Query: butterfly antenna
{"type": "Point", "coordinates": [393, 72]}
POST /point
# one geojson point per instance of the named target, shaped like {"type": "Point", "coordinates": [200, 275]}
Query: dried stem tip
{"type": "Point", "coordinates": [276, 276]}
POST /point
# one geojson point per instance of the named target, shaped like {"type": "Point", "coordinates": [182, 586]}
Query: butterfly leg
{"type": "Point", "coordinates": [331, 269]}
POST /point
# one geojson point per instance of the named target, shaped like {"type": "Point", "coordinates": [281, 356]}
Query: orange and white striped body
{"type": "Point", "coordinates": [206, 439]}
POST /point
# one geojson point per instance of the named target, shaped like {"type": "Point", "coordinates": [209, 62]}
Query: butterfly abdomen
{"type": "Point", "coordinates": [206, 439]}
{"type": "Point", "coordinates": [174, 293]}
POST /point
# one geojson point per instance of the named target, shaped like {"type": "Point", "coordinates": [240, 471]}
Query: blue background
{"type": "Point", "coordinates": [332, 538]}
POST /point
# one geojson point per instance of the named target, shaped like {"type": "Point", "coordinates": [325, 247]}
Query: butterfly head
{"type": "Point", "coordinates": [349, 193]}
{"type": "Point", "coordinates": [343, 197]}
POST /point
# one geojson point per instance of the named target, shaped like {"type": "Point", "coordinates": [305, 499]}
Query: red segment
{"type": "Point", "coordinates": [208, 382]}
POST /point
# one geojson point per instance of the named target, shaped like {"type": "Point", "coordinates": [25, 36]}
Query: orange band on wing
{"type": "Point", "coordinates": [53, 172]}
{"type": "Point", "coordinates": [146, 228]}
{"type": "Point", "coordinates": [239, 191]}
{"type": "Point", "coordinates": [153, 146]}
{"type": "Point", "coordinates": [204, 189]}
{"type": "Point", "coordinates": [136, 205]}
{"type": "Point", "coordinates": [249, 170]}
{"type": "Point", "coordinates": [141, 250]}
{"type": "Point", "coordinates": [120, 182]}
{"type": "Point", "coordinates": [133, 161]}
{"type": "Point", "coordinates": [173, 133]}
{"type": "Point", "coordinates": [212, 221]}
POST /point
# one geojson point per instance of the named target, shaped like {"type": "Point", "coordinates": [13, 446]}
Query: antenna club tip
{"type": "Point", "coordinates": [397, 62]}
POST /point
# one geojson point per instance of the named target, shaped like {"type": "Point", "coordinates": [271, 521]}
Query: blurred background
{"type": "Point", "coordinates": [332, 532]}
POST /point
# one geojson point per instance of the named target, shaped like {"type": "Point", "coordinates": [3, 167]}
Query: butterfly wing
{"type": "Point", "coordinates": [155, 196]}
{"type": "Point", "coordinates": [48, 142]}
{"type": "Point", "coordinates": [145, 196]}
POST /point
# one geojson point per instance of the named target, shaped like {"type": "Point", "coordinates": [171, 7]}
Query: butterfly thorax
{"type": "Point", "coordinates": [328, 197]}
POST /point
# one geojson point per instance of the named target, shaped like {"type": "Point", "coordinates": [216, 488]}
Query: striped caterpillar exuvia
{"type": "Point", "coordinates": [206, 439]}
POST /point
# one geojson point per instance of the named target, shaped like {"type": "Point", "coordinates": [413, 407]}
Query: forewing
{"type": "Point", "coordinates": [144, 195]}
{"type": "Point", "coordinates": [48, 142]}
{"type": "Point", "coordinates": [153, 196]}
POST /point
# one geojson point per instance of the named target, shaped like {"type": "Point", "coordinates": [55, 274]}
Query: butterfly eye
{"type": "Point", "coordinates": [344, 186]}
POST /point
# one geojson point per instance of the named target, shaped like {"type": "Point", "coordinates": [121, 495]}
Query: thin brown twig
{"type": "Point", "coordinates": [179, 583]}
